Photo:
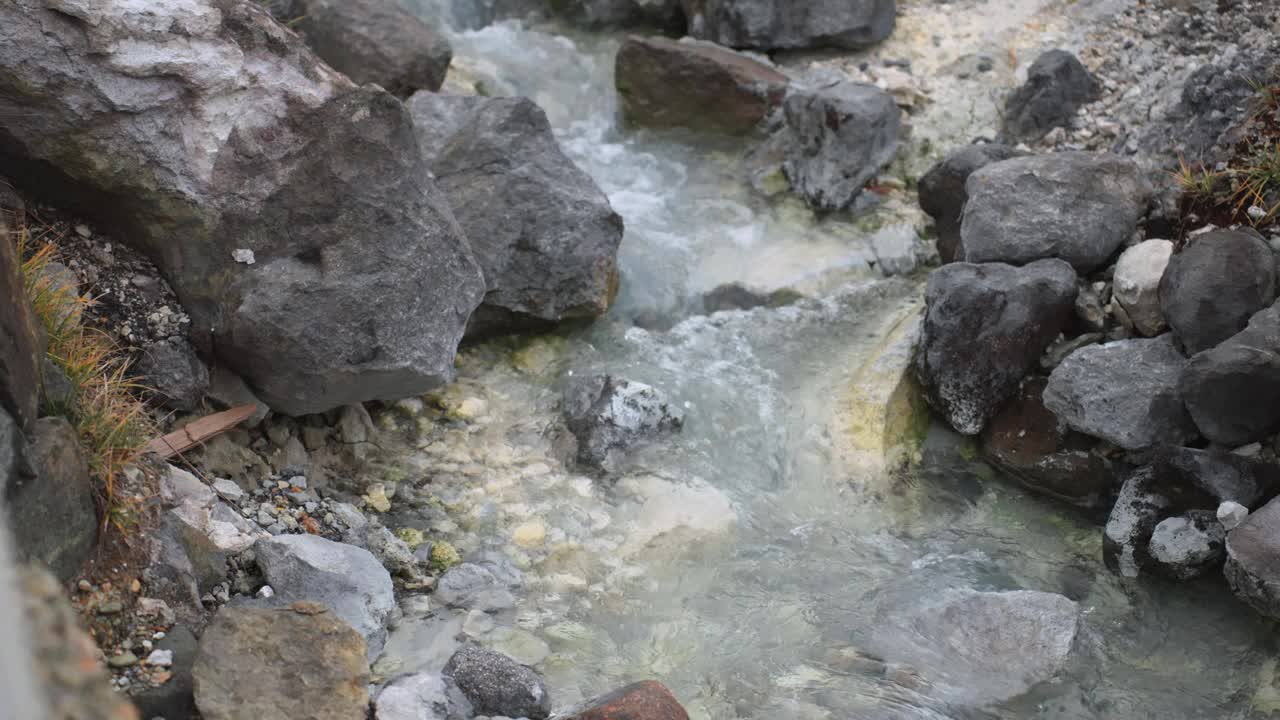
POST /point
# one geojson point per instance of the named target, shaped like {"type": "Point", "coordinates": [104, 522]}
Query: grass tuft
{"type": "Point", "coordinates": [105, 405]}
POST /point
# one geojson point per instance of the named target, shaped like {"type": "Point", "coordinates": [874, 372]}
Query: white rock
{"type": "Point", "coordinates": [1137, 284]}
{"type": "Point", "coordinates": [265, 592]}
{"type": "Point", "coordinates": [1231, 514]}
{"type": "Point", "coordinates": [227, 489]}
{"type": "Point", "coordinates": [160, 658]}
{"type": "Point", "coordinates": [243, 255]}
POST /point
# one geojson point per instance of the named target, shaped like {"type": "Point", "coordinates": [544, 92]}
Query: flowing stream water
{"type": "Point", "coordinates": [751, 562]}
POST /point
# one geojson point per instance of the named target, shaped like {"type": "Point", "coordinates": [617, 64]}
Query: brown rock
{"type": "Point", "coordinates": [1027, 442]}
{"type": "Point", "coordinates": [295, 663]}
{"type": "Point", "coordinates": [647, 700]}
{"type": "Point", "coordinates": [695, 84]}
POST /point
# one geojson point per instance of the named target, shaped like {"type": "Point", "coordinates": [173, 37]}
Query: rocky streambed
{"type": "Point", "coordinates": [824, 404]}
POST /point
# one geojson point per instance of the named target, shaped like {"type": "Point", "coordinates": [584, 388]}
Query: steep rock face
{"type": "Point", "coordinates": [694, 84]}
{"type": "Point", "coordinates": [544, 234]}
{"type": "Point", "coordinates": [291, 211]}
{"type": "Point", "coordinates": [371, 41]}
{"type": "Point", "coordinates": [791, 24]}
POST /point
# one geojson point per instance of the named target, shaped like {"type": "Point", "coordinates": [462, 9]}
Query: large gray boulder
{"type": "Point", "coordinates": [301, 661]}
{"type": "Point", "coordinates": [1233, 390]}
{"type": "Point", "coordinates": [836, 139]}
{"type": "Point", "coordinates": [1215, 284]}
{"type": "Point", "coordinates": [422, 696]}
{"type": "Point", "coordinates": [497, 685]}
{"type": "Point", "coordinates": [345, 578]}
{"type": "Point", "coordinates": [985, 328]}
{"type": "Point", "coordinates": [1253, 560]}
{"type": "Point", "coordinates": [694, 84]}
{"type": "Point", "coordinates": [609, 416]}
{"type": "Point", "coordinates": [979, 649]}
{"type": "Point", "coordinates": [290, 209]}
{"type": "Point", "coordinates": [791, 24]}
{"type": "Point", "coordinates": [1077, 206]}
{"type": "Point", "coordinates": [545, 234]}
{"type": "Point", "coordinates": [942, 190]}
{"type": "Point", "coordinates": [1124, 392]}
{"type": "Point", "coordinates": [1057, 86]}
{"type": "Point", "coordinates": [1204, 479]}
{"type": "Point", "coordinates": [371, 41]}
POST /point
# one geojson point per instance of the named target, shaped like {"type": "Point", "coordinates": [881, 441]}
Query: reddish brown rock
{"type": "Point", "coordinates": [1027, 441]}
{"type": "Point", "coordinates": [694, 84]}
{"type": "Point", "coordinates": [647, 700]}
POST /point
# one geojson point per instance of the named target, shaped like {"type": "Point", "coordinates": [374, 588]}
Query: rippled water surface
{"type": "Point", "coordinates": [750, 562]}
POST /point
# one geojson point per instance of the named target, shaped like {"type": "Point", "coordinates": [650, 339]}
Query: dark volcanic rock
{"type": "Point", "coordinates": [942, 192]}
{"type": "Point", "coordinates": [1027, 441]}
{"type": "Point", "coordinates": [1253, 560]}
{"type": "Point", "coordinates": [371, 41]}
{"type": "Point", "coordinates": [545, 234]}
{"type": "Point", "coordinates": [171, 368]}
{"type": "Point", "coordinates": [657, 14]}
{"type": "Point", "coordinates": [836, 139]}
{"type": "Point", "coordinates": [646, 700]}
{"type": "Point", "coordinates": [1215, 284]}
{"type": "Point", "coordinates": [1207, 478]}
{"type": "Point", "coordinates": [497, 685]}
{"type": "Point", "coordinates": [791, 24]}
{"type": "Point", "coordinates": [290, 209]}
{"type": "Point", "coordinates": [1057, 85]}
{"type": "Point", "coordinates": [1233, 391]}
{"type": "Point", "coordinates": [985, 328]}
{"type": "Point", "coordinates": [1124, 392]}
{"type": "Point", "coordinates": [1077, 206]}
{"type": "Point", "coordinates": [173, 699]}
{"type": "Point", "coordinates": [694, 84]}
{"type": "Point", "coordinates": [609, 416]}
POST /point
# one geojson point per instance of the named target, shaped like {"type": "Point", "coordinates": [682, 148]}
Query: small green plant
{"type": "Point", "coordinates": [104, 404]}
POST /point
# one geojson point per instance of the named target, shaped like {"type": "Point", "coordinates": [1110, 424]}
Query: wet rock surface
{"type": "Point", "coordinates": [1027, 441]}
{"type": "Point", "coordinates": [609, 416]}
{"type": "Point", "coordinates": [695, 84]}
{"type": "Point", "coordinates": [982, 648]}
{"type": "Point", "coordinates": [973, 309]}
{"type": "Point", "coordinates": [1215, 284]}
{"type": "Point", "coordinates": [252, 663]}
{"type": "Point", "coordinates": [646, 700]}
{"type": "Point", "coordinates": [1124, 392]}
{"type": "Point", "coordinates": [547, 238]}
{"type": "Point", "coordinates": [422, 696]}
{"type": "Point", "coordinates": [1079, 207]}
{"type": "Point", "coordinates": [1127, 536]}
{"type": "Point", "coordinates": [497, 685]}
{"type": "Point", "coordinates": [1188, 546]}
